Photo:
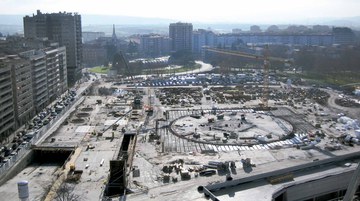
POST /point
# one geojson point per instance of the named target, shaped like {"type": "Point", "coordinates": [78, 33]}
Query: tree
{"type": "Point", "coordinates": [182, 57]}
{"type": "Point", "coordinates": [66, 193]}
{"type": "Point", "coordinates": [305, 59]}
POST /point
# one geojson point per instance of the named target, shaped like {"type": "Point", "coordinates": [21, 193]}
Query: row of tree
{"type": "Point", "coordinates": [328, 60]}
{"type": "Point", "coordinates": [311, 59]}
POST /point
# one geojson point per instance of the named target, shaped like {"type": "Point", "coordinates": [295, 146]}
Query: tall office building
{"type": "Point", "coordinates": [181, 36]}
{"type": "Point", "coordinates": [64, 28]}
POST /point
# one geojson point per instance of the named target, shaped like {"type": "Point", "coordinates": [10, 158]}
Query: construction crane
{"type": "Point", "coordinates": [265, 57]}
{"type": "Point", "coordinates": [119, 59]}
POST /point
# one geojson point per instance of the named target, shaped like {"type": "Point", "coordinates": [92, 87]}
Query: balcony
{"type": "Point", "coordinates": [9, 116]}
{"type": "Point", "coordinates": [4, 84]}
{"type": "Point", "coordinates": [3, 77]}
{"type": "Point", "coordinates": [5, 91]}
{"type": "Point", "coordinates": [5, 106]}
{"type": "Point", "coordinates": [6, 125]}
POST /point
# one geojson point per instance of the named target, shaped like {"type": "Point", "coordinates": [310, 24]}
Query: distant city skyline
{"type": "Point", "coordinates": [231, 11]}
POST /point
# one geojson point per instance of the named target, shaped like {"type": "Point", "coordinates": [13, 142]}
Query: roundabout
{"type": "Point", "coordinates": [231, 127]}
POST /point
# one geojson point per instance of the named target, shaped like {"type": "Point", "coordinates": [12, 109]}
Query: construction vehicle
{"type": "Point", "coordinates": [72, 167]}
{"type": "Point", "coordinates": [73, 175]}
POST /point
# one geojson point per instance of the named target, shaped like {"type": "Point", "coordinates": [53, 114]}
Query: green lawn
{"type": "Point", "coordinates": [99, 69]}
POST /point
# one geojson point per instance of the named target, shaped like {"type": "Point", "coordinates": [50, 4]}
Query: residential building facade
{"type": "Point", "coordinates": [7, 110]}
{"type": "Point", "coordinates": [201, 38]}
{"type": "Point", "coordinates": [29, 81]}
{"type": "Point", "coordinates": [181, 36]}
{"type": "Point", "coordinates": [64, 28]}
{"type": "Point", "coordinates": [154, 45]}
{"type": "Point", "coordinates": [22, 89]}
{"type": "Point", "coordinates": [49, 74]}
{"type": "Point", "coordinates": [94, 54]}
{"type": "Point", "coordinates": [39, 74]}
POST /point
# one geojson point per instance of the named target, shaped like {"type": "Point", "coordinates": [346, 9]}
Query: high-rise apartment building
{"type": "Point", "coordinates": [181, 36]}
{"type": "Point", "coordinates": [154, 45]}
{"type": "Point", "coordinates": [33, 73]}
{"type": "Point", "coordinates": [201, 38]}
{"type": "Point", "coordinates": [64, 28]}
{"type": "Point", "coordinates": [49, 74]}
{"type": "Point", "coordinates": [40, 91]}
{"type": "Point", "coordinates": [343, 35]}
{"type": "Point", "coordinates": [22, 89]}
{"type": "Point", "coordinates": [16, 94]}
{"type": "Point", "coordinates": [7, 113]}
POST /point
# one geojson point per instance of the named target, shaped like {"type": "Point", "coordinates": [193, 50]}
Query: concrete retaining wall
{"type": "Point", "coordinates": [18, 167]}
{"type": "Point", "coordinates": [302, 167]}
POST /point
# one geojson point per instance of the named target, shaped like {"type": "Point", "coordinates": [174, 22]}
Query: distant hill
{"type": "Point", "coordinates": [10, 24]}
{"type": "Point", "coordinates": [124, 20]}
{"type": "Point", "coordinates": [94, 19]}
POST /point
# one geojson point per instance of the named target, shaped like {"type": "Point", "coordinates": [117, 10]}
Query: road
{"type": "Point", "coordinates": [79, 90]}
{"type": "Point", "coordinates": [204, 68]}
{"type": "Point", "coordinates": [350, 112]}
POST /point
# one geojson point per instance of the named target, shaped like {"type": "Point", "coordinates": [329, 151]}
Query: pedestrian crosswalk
{"type": "Point", "coordinates": [173, 143]}
{"type": "Point", "coordinates": [175, 114]}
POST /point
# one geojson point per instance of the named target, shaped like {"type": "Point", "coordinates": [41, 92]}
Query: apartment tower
{"type": "Point", "coordinates": [181, 36]}
{"type": "Point", "coordinates": [64, 28]}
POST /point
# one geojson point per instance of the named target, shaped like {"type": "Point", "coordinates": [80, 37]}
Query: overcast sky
{"type": "Point", "coordinates": [239, 11]}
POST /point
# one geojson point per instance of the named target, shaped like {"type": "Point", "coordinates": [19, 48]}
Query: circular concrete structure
{"type": "Point", "coordinates": [232, 127]}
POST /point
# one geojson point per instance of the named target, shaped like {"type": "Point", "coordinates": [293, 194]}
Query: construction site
{"type": "Point", "coordinates": [203, 136]}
